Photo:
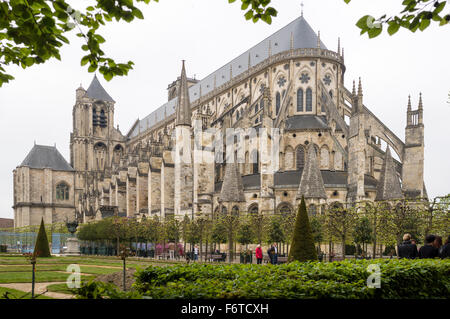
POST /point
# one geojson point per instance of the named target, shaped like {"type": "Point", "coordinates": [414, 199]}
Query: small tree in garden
{"type": "Point", "coordinates": [258, 222]}
{"type": "Point", "coordinates": [42, 248]}
{"type": "Point", "coordinates": [245, 233]}
{"type": "Point", "coordinates": [275, 233]}
{"type": "Point", "coordinates": [302, 247]}
{"type": "Point", "coordinates": [363, 233]}
{"type": "Point", "coordinates": [317, 232]}
{"type": "Point", "coordinates": [219, 231]}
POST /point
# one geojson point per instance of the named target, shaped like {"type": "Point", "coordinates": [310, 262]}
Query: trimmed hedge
{"type": "Point", "coordinates": [344, 279]}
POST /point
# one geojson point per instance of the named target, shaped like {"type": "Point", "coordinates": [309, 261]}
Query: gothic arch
{"type": "Point", "coordinates": [285, 209]}
{"type": "Point", "coordinates": [299, 157]}
{"type": "Point", "coordinates": [253, 209]}
{"type": "Point", "coordinates": [324, 157]}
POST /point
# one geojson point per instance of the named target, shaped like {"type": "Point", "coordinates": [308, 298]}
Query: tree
{"type": "Point", "coordinates": [317, 232]}
{"type": "Point", "coordinates": [245, 233]}
{"type": "Point", "coordinates": [33, 32]}
{"type": "Point", "coordinates": [363, 232]}
{"type": "Point", "coordinates": [302, 246]}
{"type": "Point", "coordinates": [258, 221]}
{"type": "Point", "coordinates": [275, 232]}
{"type": "Point", "coordinates": [416, 14]}
{"type": "Point", "coordinates": [339, 222]}
{"type": "Point", "coordinates": [219, 231]}
{"type": "Point", "coordinates": [42, 249]}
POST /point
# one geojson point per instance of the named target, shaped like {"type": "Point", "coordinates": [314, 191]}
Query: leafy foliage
{"type": "Point", "coordinates": [345, 279]}
{"type": "Point", "coordinates": [33, 32]}
{"type": "Point", "coordinates": [416, 15]}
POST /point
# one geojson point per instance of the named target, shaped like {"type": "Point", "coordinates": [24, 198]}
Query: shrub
{"type": "Point", "coordinates": [344, 279]}
{"type": "Point", "coordinates": [42, 249]}
{"type": "Point", "coordinates": [302, 248]}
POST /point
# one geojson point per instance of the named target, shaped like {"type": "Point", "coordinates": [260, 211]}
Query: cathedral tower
{"type": "Point", "coordinates": [412, 173]}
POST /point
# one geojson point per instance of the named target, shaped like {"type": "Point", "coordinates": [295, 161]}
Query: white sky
{"type": "Point", "coordinates": [37, 105]}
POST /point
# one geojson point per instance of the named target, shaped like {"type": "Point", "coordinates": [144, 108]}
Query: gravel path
{"type": "Point", "coordinates": [39, 288]}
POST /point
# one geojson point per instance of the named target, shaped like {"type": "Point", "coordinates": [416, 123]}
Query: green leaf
{"type": "Point", "coordinates": [393, 28]}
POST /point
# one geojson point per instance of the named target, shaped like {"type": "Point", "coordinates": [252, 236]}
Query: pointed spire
{"type": "Point", "coordinates": [97, 92]}
{"type": "Point", "coordinates": [389, 187]}
{"type": "Point", "coordinates": [360, 88]}
{"type": "Point", "coordinates": [339, 46]}
{"type": "Point", "coordinates": [318, 39]}
{"type": "Point", "coordinates": [354, 89]}
{"type": "Point", "coordinates": [311, 183]}
{"type": "Point", "coordinates": [409, 103]}
{"type": "Point", "coordinates": [420, 101]}
{"type": "Point", "coordinates": [183, 108]}
{"type": "Point", "coordinates": [232, 186]}
{"type": "Point", "coordinates": [302, 5]}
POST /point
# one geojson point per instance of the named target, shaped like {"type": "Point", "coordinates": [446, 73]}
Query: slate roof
{"type": "Point", "coordinates": [292, 179]}
{"type": "Point", "coordinates": [311, 183]}
{"type": "Point", "coordinates": [301, 122]}
{"type": "Point", "coordinates": [232, 186]}
{"type": "Point", "coordinates": [97, 92]}
{"type": "Point", "coordinates": [42, 156]}
{"type": "Point", "coordinates": [6, 222]}
{"type": "Point", "coordinates": [389, 186]}
{"type": "Point", "coordinates": [303, 37]}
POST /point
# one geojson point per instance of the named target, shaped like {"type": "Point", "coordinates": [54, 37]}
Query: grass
{"type": "Point", "coordinates": [14, 294]}
{"type": "Point", "coordinates": [61, 288]}
{"type": "Point", "coordinates": [44, 276]}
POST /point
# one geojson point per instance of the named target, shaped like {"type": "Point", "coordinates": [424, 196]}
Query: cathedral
{"type": "Point", "coordinates": [330, 147]}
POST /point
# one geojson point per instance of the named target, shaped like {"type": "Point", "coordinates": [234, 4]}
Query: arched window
{"type": "Point", "coordinates": [331, 93]}
{"type": "Point", "coordinates": [324, 158]}
{"type": "Point", "coordinates": [235, 211]}
{"type": "Point", "coordinates": [102, 119]}
{"type": "Point", "coordinates": [62, 191]}
{"type": "Point", "coordinates": [94, 117]}
{"type": "Point", "coordinates": [300, 100]}
{"type": "Point", "coordinates": [300, 157]}
{"type": "Point", "coordinates": [277, 103]}
{"type": "Point", "coordinates": [224, 210]}
{"type": "Point", "coordinates": [308, 100]}
{"type": "Point", "coordinates": [237, 115]}
{"type": "Point", "coordinates": [118, 152]}
{"type": "Point", "coordinates": [261, 104]}
{"type": "Point", "coordinates": [255, 161]}
{"type": "Point", "coordinates": [253, 209]}
{"type": "Point", "coordinates": [285, 210]}
{"type": "Point", "coordinates": [312, 210]}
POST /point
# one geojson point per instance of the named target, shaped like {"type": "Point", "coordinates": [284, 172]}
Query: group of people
{"type": "Point", "coordinates": [432, 248]}
{"type": "Point", "coordinates": [272, 252]}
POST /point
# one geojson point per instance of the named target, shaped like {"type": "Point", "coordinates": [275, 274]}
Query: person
{"type": "Point", "coordinates": [271, 253]}
{"type": "Point", "coordinates": [445, 252]}
{"type": "Point", "coordinates": [258, 254]}
{"type": "Point", "coordinates": [195, 253]}
{"type": "Point", "coordinates": [407, 249]}
{"type": "Point", "coordinates": [428, 250]}
{"type": "Point", "coordinates": [275, 256]}
{"type": "Point", "coordinates": [172, 250]}
{"type": "Point", "coordinates": [438, 244]}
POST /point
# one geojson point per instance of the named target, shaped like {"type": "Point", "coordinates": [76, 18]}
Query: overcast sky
{"type": "Point", "coordinates": [37, 105]}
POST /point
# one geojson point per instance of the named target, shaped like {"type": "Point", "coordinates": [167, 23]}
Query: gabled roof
{"type": "Point", "coordinates": [389, 185]}
{"type": "Point", "coordinates": [302, 35]}
{"type": "Point", "coordinates": [311, 183]}
{"type": "Point", "coordinates": [97, 92]}
{"type": "Point", "coordinates": [232, 186]}
{"type": "Point", "coordinates": [300, 122]}
{"type": "Point", "coordinates": [42, 156]}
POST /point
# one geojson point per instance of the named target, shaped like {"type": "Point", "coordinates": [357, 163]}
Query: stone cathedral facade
{"type": "Point", "coordinates": [331, 147]}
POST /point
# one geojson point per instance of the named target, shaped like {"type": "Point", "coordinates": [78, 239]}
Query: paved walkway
{"type": "Point", "coordinates": [39, 288]}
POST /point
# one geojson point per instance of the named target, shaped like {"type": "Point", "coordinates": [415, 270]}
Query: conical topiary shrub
{"type": "Point", "coordinates": [302, 247]}
{"type": "Point", "coordinates": [42, 249]}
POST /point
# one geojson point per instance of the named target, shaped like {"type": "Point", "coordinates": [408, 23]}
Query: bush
{"type": "Point", "coordinates": [302, 248]}
{"type": "Point", "coordinates": [42, 249]}
{"type": "Point", "coordinates": [344, 279]}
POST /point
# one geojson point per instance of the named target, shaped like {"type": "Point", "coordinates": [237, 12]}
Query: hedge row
{"type": "Point", "coordinates": [345, 279]}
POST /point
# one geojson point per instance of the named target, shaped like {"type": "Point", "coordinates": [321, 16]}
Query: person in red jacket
{"type": "Point", "coordinates": [258, 254]}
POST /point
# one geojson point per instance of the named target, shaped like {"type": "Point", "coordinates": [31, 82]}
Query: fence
{"type": "Point", "coordinates": [25, 242]}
